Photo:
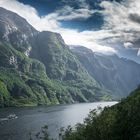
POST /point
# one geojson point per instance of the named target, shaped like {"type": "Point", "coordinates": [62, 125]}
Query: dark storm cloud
{"type": "Point", "coordinates": [135, 17]}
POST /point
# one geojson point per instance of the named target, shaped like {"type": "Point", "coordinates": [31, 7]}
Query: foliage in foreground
{"type": "Point", "coordinates": [42, 135]}
{"type": "Point", "coordinates": [119, 122]}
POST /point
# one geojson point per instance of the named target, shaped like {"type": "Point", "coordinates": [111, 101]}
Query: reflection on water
{"type": "Point", "coordinates": [32, 119]}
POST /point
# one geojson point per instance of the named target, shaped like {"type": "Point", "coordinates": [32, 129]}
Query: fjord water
{"type": "Point", "coordinates": [33, 118]}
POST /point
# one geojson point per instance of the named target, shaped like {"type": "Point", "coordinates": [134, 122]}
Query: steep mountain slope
{"type": "Point", "coordinates": [62, 65]}
{"type": "Point", "coordinates": [38, 68]}
{"type": "Point", "coordinates": [118, 75]}
{"type": "Point", "coordinates": [15, 30]}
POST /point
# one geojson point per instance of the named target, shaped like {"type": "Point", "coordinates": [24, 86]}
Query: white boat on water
{"type": "Point", "coordinates": [12, 116]}
{"type": "Point", "coordinates": [9, 117]}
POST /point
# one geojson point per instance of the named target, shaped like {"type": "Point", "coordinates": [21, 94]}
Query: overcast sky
{"type": "Point", "coordinates": [105, 26]}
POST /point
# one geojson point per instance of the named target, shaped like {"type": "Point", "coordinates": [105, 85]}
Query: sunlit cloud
{"type": "Point", "coordinates": [51, 22]}
{"type": "Point", "coordinates": [123, 19]}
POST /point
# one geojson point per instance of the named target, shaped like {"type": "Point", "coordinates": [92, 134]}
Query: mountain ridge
{"type": "Point", "coordinates": [122, 74]}
{"type": "Point", "coordinates": [38, 68]}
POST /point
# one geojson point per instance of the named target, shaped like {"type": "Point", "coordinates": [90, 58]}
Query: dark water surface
{"type": "Point", "coordinates": [33, 118]}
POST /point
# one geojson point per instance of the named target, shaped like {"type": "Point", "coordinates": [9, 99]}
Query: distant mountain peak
{"type": "Point", "coordinates": [114, 73]}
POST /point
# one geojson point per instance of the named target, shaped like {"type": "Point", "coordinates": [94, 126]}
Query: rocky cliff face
{"type": "Point", "coordinates": [15, 30]}
{"type": "Point", "coordinates": [38, 67]}
{"type": "Point", "coordinates": [119, 75]}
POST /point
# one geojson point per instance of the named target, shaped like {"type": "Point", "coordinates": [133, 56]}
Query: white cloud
{"type": "Point", "coordinates": [128, 45]}
{"type": "Point", "coordinates": [138, 54]}
{"type": "Point", "coordinates": [123, 19]}
{"type": "Point", "coordinates": [50, 22]}
{"type": "Point", "coordinates": [69, 13]}
{"type": "Point", "coordinates": [88, 39]}
{"type": "Point", "coordinates": [31, 15]}
{"type": "Point", "coordinates": [79, 3]}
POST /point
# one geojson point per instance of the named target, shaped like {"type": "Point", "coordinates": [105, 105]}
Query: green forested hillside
{"type": "Point", "coordinates": [119, 122]}
{"type": "Point", "coordinates": [38, 68]}
{"type": "Point", "coordinates": [23, 81]}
